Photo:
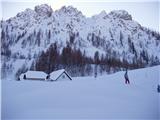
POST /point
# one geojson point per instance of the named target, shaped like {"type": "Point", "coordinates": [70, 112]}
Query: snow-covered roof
{"type": "Point", "coordinates": [55, 74]}
{"type": "Point", "coordinates": [35, 74]}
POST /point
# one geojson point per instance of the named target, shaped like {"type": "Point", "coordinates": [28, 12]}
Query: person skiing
{"type": "Point", "coordinates": [126, 77]}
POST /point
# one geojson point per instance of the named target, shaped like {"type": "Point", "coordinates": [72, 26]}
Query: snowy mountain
{"type": "Point", "coordinates": [106, 97]}
{"type": "Point", "coordinates": [30, 32]}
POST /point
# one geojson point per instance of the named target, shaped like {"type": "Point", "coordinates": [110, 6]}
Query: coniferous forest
{"type": "Point", "coordinates": [78, 64]}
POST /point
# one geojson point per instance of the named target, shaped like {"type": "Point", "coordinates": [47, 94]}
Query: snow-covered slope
{"type": "Point", "coordinates": [106, 97]}
{"type": "Point", "coordinates": [30, 32]}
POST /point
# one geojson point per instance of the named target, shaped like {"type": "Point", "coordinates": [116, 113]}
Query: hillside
{"type": "Point", "coordinates": [106, 97]}
{"type": "Point", "coordinates": [115, 35]}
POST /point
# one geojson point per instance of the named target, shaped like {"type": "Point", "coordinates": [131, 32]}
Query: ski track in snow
{"type": "Point", "coordinates": [104, 97]}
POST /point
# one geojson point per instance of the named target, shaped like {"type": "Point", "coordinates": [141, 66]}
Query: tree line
{"type": "Point", "coordinates": [77, 63]}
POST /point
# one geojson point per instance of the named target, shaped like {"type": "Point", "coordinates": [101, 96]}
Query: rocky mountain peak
{"type": "Point", "coordinates": [120, 14]}
{"type": "Point", "coordinates": [102, 14]}
{"type": "Point", "coordinates": [27, 12]}
{"type": "Point", "coordinates": [70, 10]}
{"type": "Point", "coordinates": [43, 10]}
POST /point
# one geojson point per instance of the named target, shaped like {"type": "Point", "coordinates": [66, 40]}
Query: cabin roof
{"type": "Point", "coordinates": [35, 74]}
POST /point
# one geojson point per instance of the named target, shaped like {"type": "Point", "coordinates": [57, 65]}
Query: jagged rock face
{"type": "Point", "coordinates": [33, 31]}
{"type": "Point", "coordinates": [69, 11]}
{"type": "Point", "coordinates": [121, 14]}
{"type": "Point", "coordinates": [43, 10]}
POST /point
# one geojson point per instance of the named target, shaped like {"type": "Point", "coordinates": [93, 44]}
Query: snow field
{"type": "Point", "coordinates": [104, 97]}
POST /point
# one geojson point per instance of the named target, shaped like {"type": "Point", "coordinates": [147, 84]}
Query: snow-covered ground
{"type": "Point", "coordinates": [106, 97]}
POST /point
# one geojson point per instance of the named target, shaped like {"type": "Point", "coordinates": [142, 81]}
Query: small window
{"type": "Point", "coordinates": [63, 76]}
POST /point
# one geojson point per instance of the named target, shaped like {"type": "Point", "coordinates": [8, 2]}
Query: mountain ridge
{"type": "Point", "coordinates": [32, 31]}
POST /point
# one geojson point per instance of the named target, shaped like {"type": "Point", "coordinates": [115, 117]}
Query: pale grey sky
{"type": "Point", "coordinates": [146, 12]}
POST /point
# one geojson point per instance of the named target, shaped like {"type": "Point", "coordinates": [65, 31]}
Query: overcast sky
{"type": "Point", "coordinates": [146, 12]}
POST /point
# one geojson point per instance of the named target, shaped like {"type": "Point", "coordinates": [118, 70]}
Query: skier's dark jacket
{"type": "Point", "coordinates": [126, 76]}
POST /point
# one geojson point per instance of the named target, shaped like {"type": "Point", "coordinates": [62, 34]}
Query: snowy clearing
{"type": "Point", "coordinates": [106, 97]}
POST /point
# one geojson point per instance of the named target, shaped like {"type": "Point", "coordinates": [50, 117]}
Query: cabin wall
{"type": "Point", "coordinates": [34, 79]}
{"type": "Point", "coordinates": [63, 77]}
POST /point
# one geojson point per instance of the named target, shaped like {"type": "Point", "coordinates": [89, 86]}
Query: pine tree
{"type": "Point", "coordinates": [49, 37]}
{"type": "Point", "coordinates": [121, 38]}
{"type": "Point", "coordinates": [38, 38]}
{"type": "Point", "coordinates": [96, 57]}
{"type": "Point", "coordinates": [96, 61]}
